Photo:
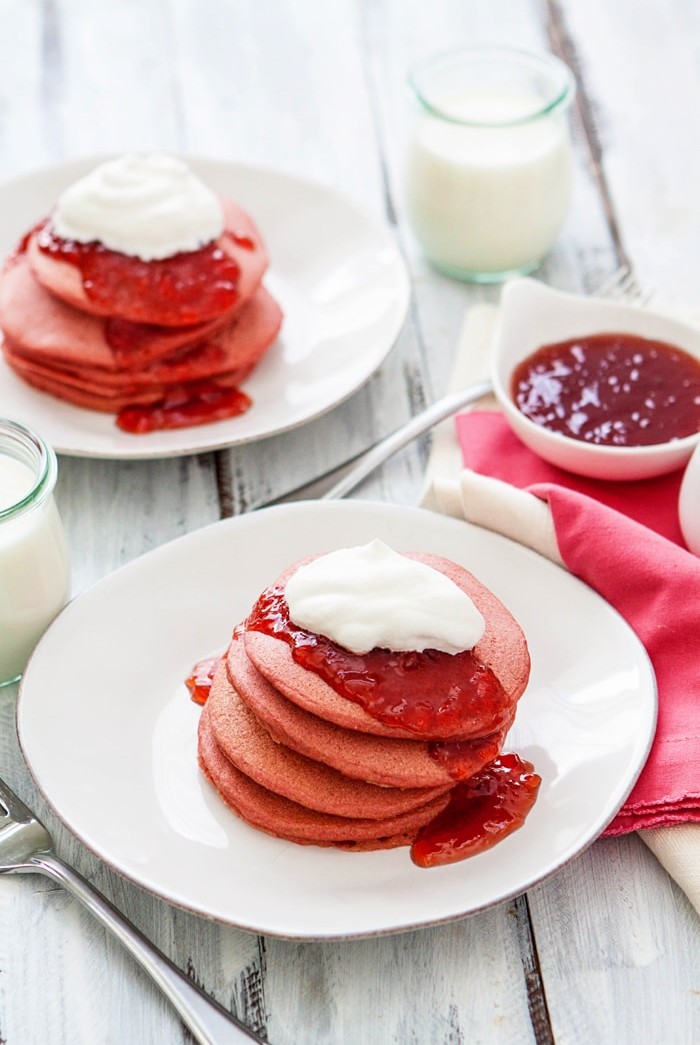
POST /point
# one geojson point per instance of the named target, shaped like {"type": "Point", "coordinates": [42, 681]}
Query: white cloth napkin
{"type": "Point", "coordinates": [521, 516]}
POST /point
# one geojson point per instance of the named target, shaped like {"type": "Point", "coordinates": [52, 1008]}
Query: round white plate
{"type": "Point", "coordinates": [109, 731]}
{"type": "Point", "coordinates": [336, 273]}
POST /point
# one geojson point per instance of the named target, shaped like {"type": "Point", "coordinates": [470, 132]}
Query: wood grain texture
{"type": "Point", "coordinates": [607, 950]}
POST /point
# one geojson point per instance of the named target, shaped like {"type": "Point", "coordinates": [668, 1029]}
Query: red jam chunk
{"type": "Point", "coordinates": [186, 288]}
{"type": "Point", "coordinates": [611, 390]}
{"type": "Point", "coordinates": [198, 403]}
{"type": "Point", "coordinates": [460, 757]}
{"type": "Point", "coordinates": [129, 341]}
{"type": "Point", "coordinates": [241, 240]}
{"type": "Point", "coordinates": [481, 812]}
{"type": "Point", "coordinates": [22, 246]}
{"type": "Point", "coordinates": [201, 678]}
{"type": "Point", "coordinates": [429, 693]}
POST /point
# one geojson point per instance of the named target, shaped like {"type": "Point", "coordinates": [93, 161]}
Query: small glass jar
{"type": "Point", "coordinates": [34, 561]}
{"type": "Point", "coordinates": [487, 170]}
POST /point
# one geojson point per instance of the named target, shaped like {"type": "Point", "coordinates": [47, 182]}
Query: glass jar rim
{"type": "Point", "coordinates": [44, 461]}
{"type": "Point", "coordinates": [563, 81]}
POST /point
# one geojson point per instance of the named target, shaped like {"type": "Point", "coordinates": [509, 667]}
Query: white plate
{"type": "Point", "coordinates": [336, 273]}
{"type": "Point", "coordinates": [108, 728]}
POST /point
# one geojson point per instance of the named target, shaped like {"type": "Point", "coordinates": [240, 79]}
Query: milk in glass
{"type": "Point", "coordinates": [34, 562]}
{"type": "Point", "coordinates": [487, 176]}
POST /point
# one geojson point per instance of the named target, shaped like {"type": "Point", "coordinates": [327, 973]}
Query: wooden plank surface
{"type": "Point", "coordinates": [607, 950]}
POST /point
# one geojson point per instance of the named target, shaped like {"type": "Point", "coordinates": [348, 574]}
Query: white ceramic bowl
{"type": "Point", "coordinates": [689, 503]}
{"type": "Point", "coordinates": [532, 315]}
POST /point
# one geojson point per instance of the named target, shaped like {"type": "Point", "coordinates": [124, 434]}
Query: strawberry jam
{"type": "Point", "coordinates": [200, 680]}
{"type": "Point", "coordinates": [241, 240]}
{"type": "Point", "coordinates": [481, 812]}
{"type": "Point", "coordinates": [462, 758]}
{"type": "Point", "coordinates": [132, 343]}
{"type": "Point", "coordinates": [23, 244]}
{"type": "Point", "coordinates": [611, 390]}
{"type": "Point", "coordinates": [187, 288]}
{"type": "Point", "coordinates": [432, 694]}
{"type": "Point", "coordinates": [197, 403]}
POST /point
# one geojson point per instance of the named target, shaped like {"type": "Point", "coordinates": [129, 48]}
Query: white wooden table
{"type": "Point", "coordinates": [607, 950]}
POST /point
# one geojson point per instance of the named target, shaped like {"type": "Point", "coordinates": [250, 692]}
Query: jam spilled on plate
{"type": "Point", "coordinates": [611, 390]}
{"type": "Point", "coordinates": [200, 679]}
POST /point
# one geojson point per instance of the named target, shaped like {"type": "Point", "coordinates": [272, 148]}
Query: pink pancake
{"type": "Point", "coordinates": [502, 648]}
{"type": "Point", "coordinates": [53, 333]}
{"type": "Point", "coordinates": [251, 749]}
{"type": "Point", "coordinates": [238, 345]}
{"type": "Point", "coordinates": [108, 404]}
{"type": "Point", "coordinates": [389, 762]}
{"type": "Point", "coordinates": [286, 819]}
{"type": "Point", "coordinates": [229, 355]}
{"type": "Point", "coordinates": [65, 281]}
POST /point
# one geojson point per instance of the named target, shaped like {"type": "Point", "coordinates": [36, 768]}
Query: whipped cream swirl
{"type": "Point", "coordinates": [150, 207]}
{"type": "Point", "coordinates": [372, 596]}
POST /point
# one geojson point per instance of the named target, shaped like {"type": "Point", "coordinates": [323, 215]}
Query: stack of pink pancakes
{"type": "Point", "coordinates": [131, 345]}
{"type": "Point", "coordinates": [294, 757]}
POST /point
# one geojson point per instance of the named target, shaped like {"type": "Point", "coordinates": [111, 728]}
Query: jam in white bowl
{"type": "Point", "coordinates": [597, 387]}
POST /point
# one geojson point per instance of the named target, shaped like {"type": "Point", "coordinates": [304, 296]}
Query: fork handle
{"type": "Point", "coordinates": [207, 1021]}
{"type": "Point", "coordinates": [420, 423]}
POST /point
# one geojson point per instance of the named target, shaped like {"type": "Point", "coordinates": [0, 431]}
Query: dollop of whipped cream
{"type": "Point", "coordinates": [150, 207]}
{"type": "Point", "coordinates": [373, 596]}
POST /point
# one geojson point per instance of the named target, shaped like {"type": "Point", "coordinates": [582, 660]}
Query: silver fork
{"type": "Point", "coordinates": [622, 285]}
{"type": "Point", "coordinates": [26, 847]}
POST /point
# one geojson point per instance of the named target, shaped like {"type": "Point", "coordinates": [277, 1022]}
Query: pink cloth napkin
{"type": "Point", "coordinates": [623, 539]}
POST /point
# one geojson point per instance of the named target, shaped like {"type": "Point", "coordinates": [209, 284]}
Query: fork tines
{"type": "Point", "coordinates": [13, 805]}
{"type": "Point", "coordinates": [623, 285]}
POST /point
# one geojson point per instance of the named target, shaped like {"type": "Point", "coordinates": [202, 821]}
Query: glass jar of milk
{"type": "Point", "coordinates": [487, 175]}
{"type": "Point", "coordinates": [34, 563]}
